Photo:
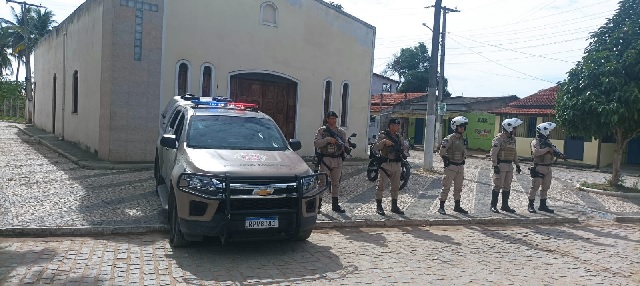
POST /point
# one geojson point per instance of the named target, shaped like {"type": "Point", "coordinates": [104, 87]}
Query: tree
{"type": "Point", "coordinates": [412, 66]}
{"type": "Point", "coordinates": [25, 36]}
{"type": "Point", "coordinates": [601, 94]}
{"type": "Point", "coordinates": [5, 52]}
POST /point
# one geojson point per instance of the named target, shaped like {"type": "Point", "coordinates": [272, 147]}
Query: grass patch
{"type": "Point", "coordinates": [12, 119]}
{"type": "Point", "coordinates": [606, 187]}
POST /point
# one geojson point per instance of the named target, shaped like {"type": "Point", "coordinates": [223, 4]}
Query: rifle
{"type": "Point", "coordinates": [397, 147]}
{"type": "Point", "coordinates": [556, 152]}
{"type": "Point", "coordinates": [346, 147]}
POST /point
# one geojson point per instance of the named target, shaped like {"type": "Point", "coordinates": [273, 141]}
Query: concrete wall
{"type": "Point", "coordinates": [61, 55]}
{"type": "Point", "coordinates": [311, 42]}
{"type": "Point", "coordinates": [129, 122]}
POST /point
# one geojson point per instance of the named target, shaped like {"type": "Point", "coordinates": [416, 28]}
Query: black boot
{"type": "Point", "coordinates": [379, 209]}
{"type": "Point", "coordinates": [532, 208]}
{"type": "Point", "coordinates": [335, 206]}
{"type": "Point", "coordinates": [543, 206]}
{"type": "Point", "coordinates": [394, 207]}
{"type": "Point", "coordinates": [441, 209]}
{"type": "Point", "coordinates": [458, 208]}
{"type": "Point", "coordinates": [505, 202]}
{"type": "Point", "coordinates": [494, 201]}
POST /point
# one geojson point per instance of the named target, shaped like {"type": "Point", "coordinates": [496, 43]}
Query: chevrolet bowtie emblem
{"type": "Point", "coordinates": [263, 192]}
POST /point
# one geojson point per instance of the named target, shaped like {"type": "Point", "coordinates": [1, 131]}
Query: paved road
{"type": "Point", "coordinates": [593, 254]}
{"type": "Point", "coordinates": [39, 188]}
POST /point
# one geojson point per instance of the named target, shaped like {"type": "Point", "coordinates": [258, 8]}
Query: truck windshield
{"type": "Point", "coordinates": [234, 133]}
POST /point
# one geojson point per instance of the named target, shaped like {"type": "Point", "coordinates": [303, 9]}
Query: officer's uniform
{"type": "Point", "coordinates": [392, 166]}
{"type": "Point", "coordinates": [542, 160]}
{"type": "Point", "coordinates": [331, 162]}
{"type": "Point", "coordinates": [503, 154]}
{"type": "Point", "coordinates": [454, 148]}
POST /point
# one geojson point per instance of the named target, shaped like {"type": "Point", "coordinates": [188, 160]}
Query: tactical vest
{"type": "Point", "coordinates": [330, 148]}
{"type": "Point", "coordinates": [390, 151]}
{"type": "Point", "coordinates": [456, 150]}
{"type": "Point", "coordinates": [547, 158]}
{"type": "Point", "coordinates": [508, 150]}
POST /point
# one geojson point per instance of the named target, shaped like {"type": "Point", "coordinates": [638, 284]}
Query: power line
{"type": "Point", "coordinates": [535, 77]}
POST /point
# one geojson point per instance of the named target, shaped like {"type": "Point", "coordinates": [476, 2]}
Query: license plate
{"type": "Point", "coordinates": [261, 222]}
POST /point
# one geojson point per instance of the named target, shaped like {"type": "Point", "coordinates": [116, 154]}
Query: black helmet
{"type": "Point", "coordinates": [332, 114]}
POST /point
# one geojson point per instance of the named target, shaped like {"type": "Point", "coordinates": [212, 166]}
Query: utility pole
{"type": "Point", "coordinates": [429, 132]}
{"type": "Point", "coordinates": [27, 79]}
{"type": "Point", "coordinates": [439, 119]}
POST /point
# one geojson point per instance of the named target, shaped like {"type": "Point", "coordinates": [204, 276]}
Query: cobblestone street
{"type": "Point", "coordinates": [595, 254]}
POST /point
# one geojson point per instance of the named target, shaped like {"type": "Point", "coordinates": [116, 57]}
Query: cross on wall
{"type": "Point", "coordinates": [140, 6]}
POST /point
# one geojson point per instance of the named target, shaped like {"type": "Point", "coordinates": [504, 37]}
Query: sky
{"type": "Point", "coordinates": [493, 47]}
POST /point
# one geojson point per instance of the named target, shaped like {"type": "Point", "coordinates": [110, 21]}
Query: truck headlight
{"type": "Point", "coordinates": [309, 184]}
{"type": "Point", "coordinates": [203, 184]}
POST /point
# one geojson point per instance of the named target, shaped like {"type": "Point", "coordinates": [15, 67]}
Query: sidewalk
{"type": "Point", "coordinates": [79, 194]}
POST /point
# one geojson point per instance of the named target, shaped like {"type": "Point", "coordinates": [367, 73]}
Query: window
{"type": "Point", "coordinates": [206, 80]}
{"type": "Point", "coordinates": [74, 98]}
{"type": "Point", "coordinates": [178, 131]}
{"type": "Point", "coordinates": [328, 86]}
{"type": "Point", "coordinates": [234, 133]}
{"type": "Point", "coordinates": [344, 108]}
{"type": "Point", "coordinates": [386, 87]}
{"type": "Point", "coordinates": [528, 127]}
{"type": "Point", "coordinates": [269, 14]}
{"type": "Point", "coordinates": [183, 73]}
{"type": "Point", "coordinates": [174, 119]}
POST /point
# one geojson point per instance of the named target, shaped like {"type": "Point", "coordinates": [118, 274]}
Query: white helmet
{"type": "Point", "coordinates": [509, 123]}
{"type": "Point", "coordinates": [545, 128]}
{"type": "Point", "coordinates": [460, 120]}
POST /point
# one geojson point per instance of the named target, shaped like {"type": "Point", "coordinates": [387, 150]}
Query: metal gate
{"type": "Point", "coordinates": [633, 151]}
{"type": "Point", "coordinates": [419, 132]}
{"type": "Point", "coordinates": [574, 147]}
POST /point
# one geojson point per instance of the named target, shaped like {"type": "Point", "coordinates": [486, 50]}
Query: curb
{"type": "Point", "coordinates": [80, 230]}
{"type": "Point", "coordinates": [611, 194]}
{"type": "Point", "coordinates": [627, 219]}
{"type": "Point", "coordinates": [446, 222]}
{"type": "Point", "coordinates": [88, 164]}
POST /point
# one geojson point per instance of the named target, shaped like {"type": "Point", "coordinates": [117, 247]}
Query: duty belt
{"type": "Point", "coordinates": [537, 164]}
{"type": "Point", "coordinates": [387, 160]}
{"type": "Point", "coordinates": [505, 161]}
{"type": "Point", "coordinates": [457, 163]}
{"type": "Point", "coordinates": [332, 156]}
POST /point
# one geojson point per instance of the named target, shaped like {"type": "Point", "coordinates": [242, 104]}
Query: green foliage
{"type": "Point", "coordinates": [335, 5]}
{"type": "Point", "coordinates": [10, 89]}
{"type": "Point", "coordinates": [412, 65]}
{"type": "Point", "coordinates": [602, 92]}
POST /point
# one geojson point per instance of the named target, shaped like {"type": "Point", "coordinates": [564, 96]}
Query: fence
{"type": "Point", "coordinates": [12, 107]}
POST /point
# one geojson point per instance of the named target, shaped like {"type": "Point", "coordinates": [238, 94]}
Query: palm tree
{"type": "Point", "coordinates": [25, 36]}
{"type": "Point", "coordinates": [5, 52]}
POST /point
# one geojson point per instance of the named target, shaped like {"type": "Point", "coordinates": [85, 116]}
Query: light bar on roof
{"type": "Point", "coordinates": [238, 105]}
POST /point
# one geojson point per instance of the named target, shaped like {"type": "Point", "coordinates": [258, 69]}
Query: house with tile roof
{"type": "Point", "coordinates": [538, 108]}
{"type": "Point", "coordinates": [411, 109]}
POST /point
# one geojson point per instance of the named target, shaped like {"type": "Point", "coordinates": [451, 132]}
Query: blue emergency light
{"type": "Point", "coordinates": [224, 104]}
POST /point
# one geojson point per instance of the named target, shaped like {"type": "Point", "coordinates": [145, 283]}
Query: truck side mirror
{"type": "Point", "coordinates": [295, 144]}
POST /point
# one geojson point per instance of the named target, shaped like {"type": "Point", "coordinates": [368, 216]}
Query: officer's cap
{"type": "Point", "coordinates": [332, 114]}
{"type": "Point", "coordinates": [394, 121]}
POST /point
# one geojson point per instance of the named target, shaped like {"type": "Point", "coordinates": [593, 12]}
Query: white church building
{"type": "Point", "coordinates": [104, 74]}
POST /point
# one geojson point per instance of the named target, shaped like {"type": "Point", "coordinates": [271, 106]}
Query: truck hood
{"type": "Point", "coordinates": [246, 162]}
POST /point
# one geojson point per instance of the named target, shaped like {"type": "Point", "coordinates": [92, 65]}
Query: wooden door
{"type": "Point", "coordinates": [278, 100]}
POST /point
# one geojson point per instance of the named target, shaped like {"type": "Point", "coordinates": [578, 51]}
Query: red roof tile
{"type": "Point", "coordinates": [391, 99]}
{"type": "Point", "coordinates": [544, 97]}
{"type": "Point", "coordinates": [515, 110]}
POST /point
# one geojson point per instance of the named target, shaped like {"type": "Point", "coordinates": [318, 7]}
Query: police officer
{"type": "Point", "coordinates": [331, 153]}
{"type": "Point", "coordinates": [453, 152]}
{"type": "Point", "coordinates": [541, 171]}
{"type": "Point", "coordinates": [391, 146]}
{"type": "Point", "coordinates": [503, 154]}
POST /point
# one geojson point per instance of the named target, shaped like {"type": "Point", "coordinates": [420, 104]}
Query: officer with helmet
{"type": "Point", "coordinates": [330, 155]}
{"type": "Point", "coordinates": [542, 153]}
{"type": "Point", "coordinates": [503, 156]}
{"type": "Point", "coordinates": [453, 152]}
